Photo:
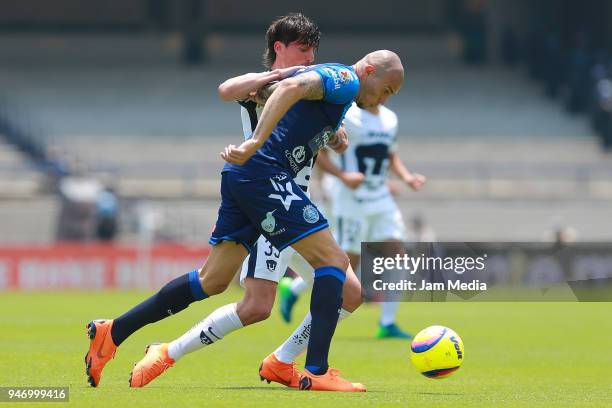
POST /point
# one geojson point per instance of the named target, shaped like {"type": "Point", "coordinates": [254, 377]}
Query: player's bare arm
{"type": "Point", "coordinates": [351, 179]}
{"type": "Point", "coordinates": [307, 86]}
{"type": "Point", "coordinates": [241, 87]}
{"type": "Point", "coordinates": [414, 180]}
{"type": "Point", "coordinates": [262, 95]}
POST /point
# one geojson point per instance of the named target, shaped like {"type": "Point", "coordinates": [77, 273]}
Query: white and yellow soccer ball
{"type": "Point", "coordinates": [437, 352]}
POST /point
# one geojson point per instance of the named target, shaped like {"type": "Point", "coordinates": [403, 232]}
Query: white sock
{"type": "Point", "coordinates": [297, 343]}
{"type": "Point", "coordinates": [298, 286]}
{"type": "Point", "coordinates": [213, 328]}
{"type": "Point", "coordinates": [388, 312]}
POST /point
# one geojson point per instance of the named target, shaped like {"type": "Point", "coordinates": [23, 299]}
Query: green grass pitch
{"type": "Point", "coordinates": [517, 355]}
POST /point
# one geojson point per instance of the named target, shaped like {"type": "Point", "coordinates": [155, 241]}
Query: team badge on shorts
{"type": "Point", "coordinates": [271, 265]}
{"type": "Point", "coordinates": [310, 213]}
{"type": "Point", "coordinates": [269, 223]}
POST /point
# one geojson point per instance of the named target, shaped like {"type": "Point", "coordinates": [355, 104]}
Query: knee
{"type": "Point", "coordinates": [213, 286]}
{"type": "Point", "coordinates": [352, 298]}
{"type": "Point", "coordinates": [332, 257]}
{"type": "Point", "coordinates": [251, 312]}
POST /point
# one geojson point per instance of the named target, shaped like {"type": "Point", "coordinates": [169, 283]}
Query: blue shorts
{"type": "Point", "coordinates": [269, 204]}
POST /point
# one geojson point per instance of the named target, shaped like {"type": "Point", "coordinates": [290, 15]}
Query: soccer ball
{"type": "Point", "coordinates": [437, 352]}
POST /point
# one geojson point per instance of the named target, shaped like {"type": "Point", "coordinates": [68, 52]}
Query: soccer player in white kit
{"type": "Point", "coordinates": [362, 206]}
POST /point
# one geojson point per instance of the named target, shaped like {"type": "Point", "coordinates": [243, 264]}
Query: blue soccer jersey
{"type": "Point", "coordinates": [307, 125]}
{"type": "Point", "coordinates": [261, 197]}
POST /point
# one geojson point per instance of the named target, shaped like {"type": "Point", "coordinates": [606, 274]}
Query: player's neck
{"type": "Point", "coordinates": [375, 110]}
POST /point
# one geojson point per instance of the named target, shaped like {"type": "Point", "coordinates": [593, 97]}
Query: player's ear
{"type": "Point", "coordinates": [278, 46]}
{"type": "Point", "coordinates": [370, 69]}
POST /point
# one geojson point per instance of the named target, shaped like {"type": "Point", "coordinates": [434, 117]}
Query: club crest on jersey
{"type": "Point", "coordinates": [269, 223]}
{"type": "Point", "coordinates": [311, 214]}
{"type": "Point", "coordinates": [299, 154]}
{"type": "Point", "coordinates": [285, 199]}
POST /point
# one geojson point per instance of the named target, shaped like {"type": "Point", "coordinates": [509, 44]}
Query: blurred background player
{"type": "Point", "coordinates": [362, 205]}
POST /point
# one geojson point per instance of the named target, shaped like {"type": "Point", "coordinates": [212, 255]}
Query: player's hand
{"type": "Point", "coordinates": [339, 141]}
{"type": "Point", "coordinates": [287, 72]}
{"type": "Point", "coordinates": [416, 181]}
{"type": "Point", "coordinates": [239, 154]}
{"type": "Point", "coordinates": [352, 179]}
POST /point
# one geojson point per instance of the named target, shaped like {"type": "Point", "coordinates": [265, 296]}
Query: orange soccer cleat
{"type": "Point", "coordinates": [155, 362]}
{"type": "Point", "coordinates": [330, 381]}
{"type": "Point", "coordinates": [101, 349]}
{"type": "Point", "coordinates": [272, 369]}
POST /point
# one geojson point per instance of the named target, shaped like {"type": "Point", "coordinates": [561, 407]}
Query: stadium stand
{"type": "Point", "coordinates": [154, 133]}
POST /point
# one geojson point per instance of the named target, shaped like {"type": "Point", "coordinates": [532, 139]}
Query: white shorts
{"type": "Point", "coordinates": [351, 230]}
{"type": "Point", "coordinates": [266, 262]}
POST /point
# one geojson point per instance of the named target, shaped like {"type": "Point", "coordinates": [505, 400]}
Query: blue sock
{"type": "Point", "coordinates": [175, 296]}
{"type": "Point", "coordinates": [325, 304]}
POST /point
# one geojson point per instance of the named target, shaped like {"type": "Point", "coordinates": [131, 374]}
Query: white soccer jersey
{"type": "Point", "coordinates": [371, 139]}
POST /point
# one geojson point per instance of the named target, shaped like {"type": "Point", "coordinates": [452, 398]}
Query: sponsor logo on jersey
{"type": "Point", "coordinates": [278, 232]}
{"type": "Point", "coordinates": [345, 75]}
{"type": "Point", "coordinates": [294, 166]}
{"type": "Point", "coordinates": [379, 135]}
{"type": "Point", "coordinates": [271, 265]}
{"type": "Point", "coordinates": [340, 76]}
{"type": "Point", "coordinates": [285, 199]}
{"type": "Point", "coordinates": [269, 223]}
{"type": "Point", "coordinates": [299, 154]}
{"type": "Point", "coordinates": [311, 214]}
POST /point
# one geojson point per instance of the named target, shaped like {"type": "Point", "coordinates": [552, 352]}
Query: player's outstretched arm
{"type": "Point", "coordinates": [414, 180]}
{"type": "Point", "coordinates": [288, 92]}
{"type": "Point", "coordinates": [241, 87]}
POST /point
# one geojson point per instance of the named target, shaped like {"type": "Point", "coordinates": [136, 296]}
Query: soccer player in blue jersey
{"type": "Point", "coordinates": [259, 196]}
{"type": "Point", "coordinates": [291, 42]}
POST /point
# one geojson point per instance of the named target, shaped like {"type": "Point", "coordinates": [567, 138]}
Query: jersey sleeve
{"type": "Point", "coordinates": [394, 124]}
{"type": "Point", "coordinates": [340, 83]}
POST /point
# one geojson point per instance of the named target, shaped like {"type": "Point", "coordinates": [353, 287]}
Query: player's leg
{"type": "Point", "coordinates": [215, 276]}
{"type": "Point", "coordinates": [173, 297]}
{"type": "Point", "coordinates": [232, 238]}
{"type": "Point", "coordinates": [387, 326]}
{"type": "Point", "coordinates": [259, 275]}
{"type": "Point", "coordinates": [297, 342]}
{"type": "Point", "coordinates": [290, 219]}
{"type": "Point", "coordinates": [330, 264]}
{"type": "Point", "coordinates": [290, 289]}
{"type": "Point", "coordinates": [389, 227]}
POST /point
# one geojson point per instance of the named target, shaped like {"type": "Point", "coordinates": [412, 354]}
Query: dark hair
{"type": "Point", "coordinates": [287, 29]}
